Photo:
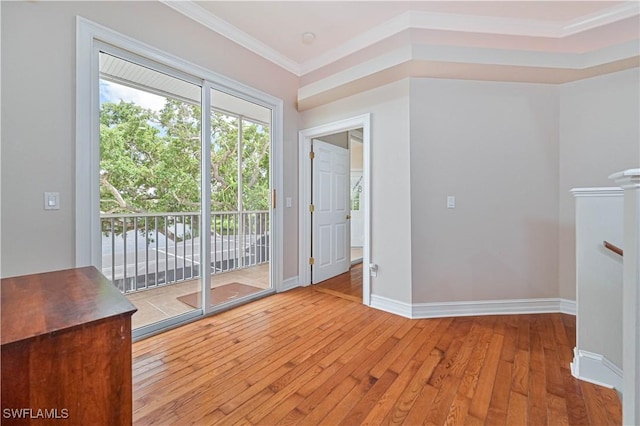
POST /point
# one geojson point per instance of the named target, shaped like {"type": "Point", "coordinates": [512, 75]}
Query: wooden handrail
{"type": "Point", "coordinates": [613, 248]}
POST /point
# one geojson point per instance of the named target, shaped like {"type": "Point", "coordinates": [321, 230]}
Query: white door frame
{"type": "Point", "coordinates": [304, 187]}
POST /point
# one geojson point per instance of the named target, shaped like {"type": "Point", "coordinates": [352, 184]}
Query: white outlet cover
{"type": "Point", "coordinates": [451, 202]}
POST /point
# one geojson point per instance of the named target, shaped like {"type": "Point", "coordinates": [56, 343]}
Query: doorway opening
{"type": "Point", "coordinates": [334, 178]}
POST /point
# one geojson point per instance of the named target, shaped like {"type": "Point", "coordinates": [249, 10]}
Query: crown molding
{"type": "Point", "coordinates": [404, 58]}
{"type": "Point", "coordinates": [406, 21]}
{"type": "Point", "coordinates": [383, 31]}
{"type": "Point", "coordinates": [473, 24]}
{"type": "Point", "coordinates": [222, 27]}
{"type": "Point", "coordinates": [594, 20]}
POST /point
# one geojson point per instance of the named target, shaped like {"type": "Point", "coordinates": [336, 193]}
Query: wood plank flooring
{"type": "Point", "coordinates": [308, 357]}
{"type": "Point", "coordinates": [347, 285]}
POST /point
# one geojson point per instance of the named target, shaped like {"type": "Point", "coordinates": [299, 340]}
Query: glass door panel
{"type": "Point", "coordinates": [240, 198]}
{"type": "Point", "coordinates": [150, 195]}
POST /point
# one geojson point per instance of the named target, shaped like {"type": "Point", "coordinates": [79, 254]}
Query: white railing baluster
{"type": "Point", "coordinates": [240, 241]}
{"type": "Point", "coordinates": [146, 252]}
{"type": "Point", "coordinates": [166, 250]}
{"type": "Point", "coordinates": [157, 265]}
{"type": "Point", "coordinates": [113, 254]}
{"type": "Point", "coordinates": [124, 240]}
{"type": "Point", "coordinates": [135, 235]}
{"type": "Point", "coordinates": [175, 250]}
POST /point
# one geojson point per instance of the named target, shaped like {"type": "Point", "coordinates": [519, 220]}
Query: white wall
{"type": "Point", "coordinates": [494, 147]}
{"type": "Point", "coordinates": [38, 113]}
{"type": "Point", "coordinates": [390, 186]}
{"type": "Point", "coordinates": [599, 135]}
{"type": "Point", "coordinates": [599, 273]}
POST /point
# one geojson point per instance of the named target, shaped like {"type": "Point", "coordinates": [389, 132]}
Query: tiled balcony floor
{"type": "Point", "coordinates": [161, 303]}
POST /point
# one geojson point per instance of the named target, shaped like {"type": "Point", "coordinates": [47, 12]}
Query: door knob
{"type": "Point", "coordinates": [348, 216]}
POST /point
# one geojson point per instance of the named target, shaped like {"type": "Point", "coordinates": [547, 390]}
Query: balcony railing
{"type": "Point", "coordinates": [142, 251]}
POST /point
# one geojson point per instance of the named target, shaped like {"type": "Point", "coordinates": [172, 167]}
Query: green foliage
{"type": "Point", "coordinates": [150, 161]}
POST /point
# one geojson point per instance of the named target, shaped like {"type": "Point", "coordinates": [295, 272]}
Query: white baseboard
{"type": "Point", "coordinates": [567, 306]}
{"type": "Point", "coordinates": [290, 283]}
{"type": "Point", "coordinates": [482, 307]}
{"type": "Point", "coordinates": [492, 307]}
{"type": "Point", "coordinates": [595, 368]}
{"type": "Point", "coordinates": [390, 305]}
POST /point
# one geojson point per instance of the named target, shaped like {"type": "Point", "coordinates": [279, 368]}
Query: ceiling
{"type": "Point", "coordinates": [358, 40]}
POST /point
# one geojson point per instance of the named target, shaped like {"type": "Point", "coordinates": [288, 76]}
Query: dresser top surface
{"type": "Point", "coordinates": [38, 304]}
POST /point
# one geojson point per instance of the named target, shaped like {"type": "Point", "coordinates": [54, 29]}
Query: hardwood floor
{"type": "Point", "coordinates": [347, 286]}
{"type": "Point", "coordinates": [307, 357]}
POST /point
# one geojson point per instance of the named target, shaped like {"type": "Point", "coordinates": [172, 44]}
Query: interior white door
{"type": "Point", "coordinates": [330, 245]}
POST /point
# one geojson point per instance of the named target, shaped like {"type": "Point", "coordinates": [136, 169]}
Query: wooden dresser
{"type": "Point", "coordinates": [66, 350]}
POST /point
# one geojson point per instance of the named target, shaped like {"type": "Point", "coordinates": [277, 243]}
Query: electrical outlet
{"type": "Point", "coordinates": [451, 202]}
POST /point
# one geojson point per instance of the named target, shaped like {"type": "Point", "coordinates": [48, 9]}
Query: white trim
{"type": "Point", "coordinates": [361, 70]}
{"type": "Point", "coordinates": [597, 19]}
{"type": "Point", "coordinates": [87, 160]}
{"type": "Point", "coordinates": [87, 134]}
{"type": "Point", "coordinates": [627, 179]}
{"type": "Point", "coordinates": [415, 54]}
{"type": "Point", "coordinates": [304, 184]}
{"type": "Point", "coordinates": [626, 173]}
{"type": "Point", "coordinates": [205, 193]}
{"type": "Point", "coordinates": [491, 307]}
{"type": "Point", "coordinates": [568, 306]}
{"type": "Point", "coordinates": [597, 192]}
{"type": "Point", "coordinates": [202, 16]}
{"type": "Point", "coordinates": [474, 308]}
{"type": "Point", "coordinates": [383, 31]}
{"type": "Point", "coordinates": [630, 181]}
{"type": "Point", "coordinates": [595, 368]}
{"type": "Point", "coordinates": [289, 283]}
{"type": "Point", "coordinates": [410, 19]}
{"type": "Point", "coordinates": [392, 306]}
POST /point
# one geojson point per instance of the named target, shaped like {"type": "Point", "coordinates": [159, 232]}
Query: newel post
{"type": "Point", "coordinates": [629, 180]}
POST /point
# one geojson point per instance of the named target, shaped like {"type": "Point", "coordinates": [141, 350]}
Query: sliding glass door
{"type": "Point", "coordinates": [150, 198]}
{"type": "Point", "coordinates": [181, 210]}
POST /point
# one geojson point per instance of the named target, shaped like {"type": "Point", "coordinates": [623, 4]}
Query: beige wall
{"type": "Point", "coordinates": [494, 147]}
{"type": "Point", "coordinates": [599, 135]}
{"type": "Point", "coordinates": [38, 115]}
{"type": "Point", "coordinates": [356, 158]}
{"type": "Point", "coordinates": [390, 186]}
{"type": "Point", "coordinates": [509, 153]}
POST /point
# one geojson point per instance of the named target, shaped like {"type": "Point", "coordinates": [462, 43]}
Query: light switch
{"type": "Point", "coordinates": [451, 202]}
{"type": "Point", "coordinates": [288, 201]}
{"type": "Point", "coordinates": [373, 269]}
{"type": "Point", "coordinates": [52, 201]}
